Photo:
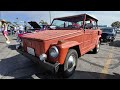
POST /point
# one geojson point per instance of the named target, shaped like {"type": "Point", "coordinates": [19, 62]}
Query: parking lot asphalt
{"type": "Point", "coordinates": [103, 65]}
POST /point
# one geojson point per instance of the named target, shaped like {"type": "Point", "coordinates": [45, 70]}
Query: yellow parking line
{"type": "Point", "coordinates": [106, 66]}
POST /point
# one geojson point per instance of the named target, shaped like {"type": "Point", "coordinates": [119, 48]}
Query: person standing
{"type": "Point", "coordinates": [21, 29]}
{"type": "Point", "coordinates": [4, 31]}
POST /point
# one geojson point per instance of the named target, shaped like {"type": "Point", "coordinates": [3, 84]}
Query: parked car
{"type": "Point", "coordinates": [35, 28]}
{"type": "Point", "coordinates": [108, 34]}
{"type": "Point", "coordinates": [35, 25]}
{"type": "Point", "coordinates": [58, 48]}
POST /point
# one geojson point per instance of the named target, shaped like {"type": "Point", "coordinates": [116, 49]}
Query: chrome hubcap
{"type": "Point", "coordinates": [98, 46]}
{"type": "Point", "coordinates": [71, 63]}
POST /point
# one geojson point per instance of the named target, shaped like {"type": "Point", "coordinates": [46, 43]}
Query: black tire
{"type": "Point", "coordinates": [112, 39]}
{"type": "Point", "coordinates": [97, 48]}
{"type": "Point", "coordinates": [68, 70]}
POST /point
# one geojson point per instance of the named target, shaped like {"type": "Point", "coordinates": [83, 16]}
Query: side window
{"type": "Point", "coordinates": [80, 23]}
{"type": "Point", "coordinates": [58, 23]}
{"type": "Point", "coordinates": [68, 24]}
{"type": "Point", "coordinates": [88, 25]}
{"type": "Point", "coordinates": [94, 25]}
{"type": "Point", "coordinates": [91, 24]}
{"type": "Point", "coordinates": [86, 22]}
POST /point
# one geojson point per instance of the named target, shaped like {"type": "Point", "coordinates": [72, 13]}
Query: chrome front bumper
{"type": "Point", "coordinates": [48, 66]}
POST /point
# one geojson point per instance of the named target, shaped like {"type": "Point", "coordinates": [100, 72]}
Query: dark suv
{"type": "Point", "coordinates": [108, 34]}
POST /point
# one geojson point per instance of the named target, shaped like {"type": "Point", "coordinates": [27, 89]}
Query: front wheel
{"type": "Point", "coordinates": [97, 48]}
{"type": "Point", "coordinates": [70, 63]}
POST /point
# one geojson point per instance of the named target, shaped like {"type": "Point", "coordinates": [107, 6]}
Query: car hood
{"type": "Point", "coordinates": [51, 34]}
{"type": "Point", "coordinates": [107, 33]}
{"type": "Point", "coordinates": [34, 24]}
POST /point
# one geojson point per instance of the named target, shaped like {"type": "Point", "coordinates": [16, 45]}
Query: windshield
{"type": "Point", "coordinates": [107, 30]}
{"type": "Point", "coordinates": [66, 24]}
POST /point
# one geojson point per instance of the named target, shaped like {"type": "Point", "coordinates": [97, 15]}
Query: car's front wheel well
{"type": "Point", "coordinates": [100, 39]}
{"type": "Point", "coordinates": [77, 49]}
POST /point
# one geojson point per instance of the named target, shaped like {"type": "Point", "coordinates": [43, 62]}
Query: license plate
{"type": "Point", "coordinates": [31, 51]}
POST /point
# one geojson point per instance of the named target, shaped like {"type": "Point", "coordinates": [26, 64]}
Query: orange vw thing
{"type": "Point", "coordinates": [59, 47]}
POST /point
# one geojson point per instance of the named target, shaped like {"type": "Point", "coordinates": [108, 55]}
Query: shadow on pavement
{"type": "Point", "coordinates": [14, 39]}
{"type": "Point", "coordinates": [12, 47]}
{"type": "Point", "coordinates": [115, 43]}
{"type": "Point", "coordinates": [81, 75]}
{"type": "Point", "coordinates": [93, 75]}
{"type": "Point", "coordinates": [19, 67]}
{"type": "Point", "coordinates": [2, 42]}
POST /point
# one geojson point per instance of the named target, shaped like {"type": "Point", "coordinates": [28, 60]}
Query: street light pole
{"type": "Point", "coordinates": [0, 15]}
{"type": "Point", "coordinates": [17, 20]}
{"type": "Point", "coordinates": [50, 16]}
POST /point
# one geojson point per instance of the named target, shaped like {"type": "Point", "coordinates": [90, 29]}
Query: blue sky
{"type": "Point", "coordinates": [104, 17]}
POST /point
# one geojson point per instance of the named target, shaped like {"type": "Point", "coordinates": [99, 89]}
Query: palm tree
{"type": "Point", "coordinates": [43, 22]}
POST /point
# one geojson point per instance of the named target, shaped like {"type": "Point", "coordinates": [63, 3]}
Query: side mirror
{"type": "Point", "coordinates": [89, 26]}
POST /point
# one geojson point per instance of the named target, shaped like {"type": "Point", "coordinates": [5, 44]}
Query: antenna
{"type": "Point", "coordinates": [0, 14]}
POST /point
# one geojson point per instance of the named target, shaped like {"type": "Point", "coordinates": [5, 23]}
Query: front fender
{"type": "Point", "coordinates": [98, 39]}
{"type": "Point", "coordinates": [63, 48]}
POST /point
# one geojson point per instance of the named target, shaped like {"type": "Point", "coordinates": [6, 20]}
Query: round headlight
{"type": "Point", "coordinates": [53, 52]}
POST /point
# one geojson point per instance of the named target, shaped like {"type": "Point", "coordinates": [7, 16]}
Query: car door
{"type": "Point", "coordinates": [87, 39]}
{"type": "Point", "coordinates": [94, 34]}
